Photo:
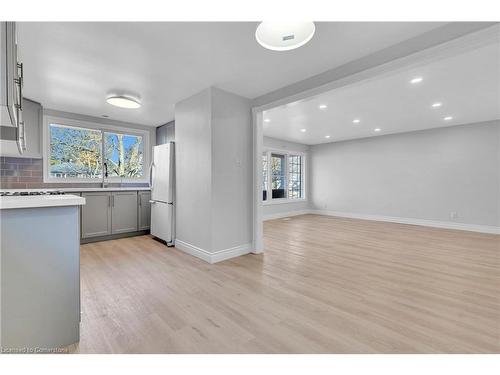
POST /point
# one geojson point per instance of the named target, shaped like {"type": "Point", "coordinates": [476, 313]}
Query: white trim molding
{"type": "Point", "coordinates": [215, 256]}
{"type": "Point", "coordinates": [412, 221]}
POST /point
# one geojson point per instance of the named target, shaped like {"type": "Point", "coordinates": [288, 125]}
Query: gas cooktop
{"type": "Point", "coordinates": [27, 193]}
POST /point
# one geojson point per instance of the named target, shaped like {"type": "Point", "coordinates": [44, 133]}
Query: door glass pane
{"type": "Point", "coordinates": [124, 155]}
{"type": "Point", "coordinates": [265, 182]}
{"type": "Point", "coordinates": [296, 177]}
{"type": "Point", "coordinates": [75, 152]}
{"type": "Point", "coordinates": [278, 176]}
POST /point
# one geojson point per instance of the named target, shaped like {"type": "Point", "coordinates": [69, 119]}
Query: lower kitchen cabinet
{"type": "Point", "coordinates": [144, 210]}
{"type": "Point", "coordinates": [96, 214]}
{"type": "Point", "coordinates": [108, 213]}
{"type": "Point", "coordinates": [123, 212]}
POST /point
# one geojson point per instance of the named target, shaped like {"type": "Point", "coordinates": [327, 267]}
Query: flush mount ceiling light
{"type": "Point", "coordinates": [323, 106]}
{"type": "Point", "coordinates": [448, 118]}
{"type": "Point", "coordinates": [356, 121]}
{"type": "Point", "coordinates": [436, 105]}
{"type": "Point", "coordinates": [303, 130]}
{"type": "Point", "coordinates": [123, 101]}
{"type": "Point", "coordinates": [416, 80]}
{"type": "Point", "coordinates": [327, 136]}
{"type": "Point", "coordinates": [284, 36]}
{"type": "Point", "coordinates": [377, 129]}
{"type": "Point", "coordinates": [267, 120]}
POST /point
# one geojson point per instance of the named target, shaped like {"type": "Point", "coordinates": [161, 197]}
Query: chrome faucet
{"type": "Point", "coordinates": [105, 176]}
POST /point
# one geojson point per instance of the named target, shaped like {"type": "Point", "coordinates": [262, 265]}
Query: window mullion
{"type": "Point", "coordinates": [269, 177]}
{"type": "Point", "coordinates": [102, 154]}
{"type": "Point", "coordinates": [287, 175]}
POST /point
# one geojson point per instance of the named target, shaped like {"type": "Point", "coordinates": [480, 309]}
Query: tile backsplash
{"type": "Point", "coordinates": [27, 173]}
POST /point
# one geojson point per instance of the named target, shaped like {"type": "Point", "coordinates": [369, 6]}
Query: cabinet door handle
{"type": "Point", "coordinates": [24, 136]}
{"type": "Point", "coordinates": [19, 83]}
{"type": "Point", "coordinates": [20, 70]}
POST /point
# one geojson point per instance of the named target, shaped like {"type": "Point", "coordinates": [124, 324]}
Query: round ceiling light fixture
{"type": "Point", "coordinates": [284, 36]}
{"type": "Point", "coordinates": [124, 101]}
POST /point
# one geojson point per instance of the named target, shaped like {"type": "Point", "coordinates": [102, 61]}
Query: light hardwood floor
{"type": "Point", "coordinates": [324, 285]}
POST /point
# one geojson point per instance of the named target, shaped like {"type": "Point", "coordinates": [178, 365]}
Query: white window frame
{"type": "Point", "coordinates": [47, 120]}
{"type": "Point", "coordinates": [286, 153]}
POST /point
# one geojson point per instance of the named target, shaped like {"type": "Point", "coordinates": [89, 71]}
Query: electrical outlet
{"type": "Point", "coordinates": [453, 215]}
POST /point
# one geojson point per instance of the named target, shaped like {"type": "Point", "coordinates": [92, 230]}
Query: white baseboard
{"type": "Point", "coordinates": [216, 256]}
{"type": "Point", "coordinates": [412, 221]}
{"type": "Point", "coordinates": [232, 252]}
{"type": "Point", "coordinates": [281, 215]}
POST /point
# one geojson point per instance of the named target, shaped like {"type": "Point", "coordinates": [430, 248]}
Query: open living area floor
{"type": "Point", "coordinates": [323, 285]}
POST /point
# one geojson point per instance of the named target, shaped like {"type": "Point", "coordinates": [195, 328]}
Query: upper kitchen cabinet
{"type": "Point", "coordinates": [11, 84]}
{"type": "Point", "coordinates": [33, 121]}
{"type": "Point", "coordinates": [165, 133]}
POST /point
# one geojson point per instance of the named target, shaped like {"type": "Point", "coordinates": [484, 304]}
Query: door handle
{"type": "Point", "coordinates": [24, 136]}
{"type": "Point", "coordinates": [151, 175]}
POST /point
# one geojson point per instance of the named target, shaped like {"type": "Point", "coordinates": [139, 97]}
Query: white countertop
{"type": "Point", "coordinates": [78, 189]}
{"type": "Point", "coordinates": [36, 201]}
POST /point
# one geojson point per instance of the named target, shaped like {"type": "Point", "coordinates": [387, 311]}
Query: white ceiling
{"type": "Point", "coordinates": [74, 66]}
{"type": "Point", "coordinates": [467, 85]}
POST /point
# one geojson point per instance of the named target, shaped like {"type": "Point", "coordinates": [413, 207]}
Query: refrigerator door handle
{"type": "Point", "coordinates": [151, 175]}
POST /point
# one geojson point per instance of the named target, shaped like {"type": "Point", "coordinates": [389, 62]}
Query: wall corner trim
{"type": "Point", "coordinates": [216, 256]}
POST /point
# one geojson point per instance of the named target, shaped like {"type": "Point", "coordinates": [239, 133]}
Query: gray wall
{"type": "Point", "coordinates": [270, 211]}
{"type": "Point", "coordinates": [214, 170]}
{"type": "Point", "coordinates": [193, 170]}
{"type": "Point", "coordinates": [422, 175]}
{"type": "Point", "coordinates": [232, 170]}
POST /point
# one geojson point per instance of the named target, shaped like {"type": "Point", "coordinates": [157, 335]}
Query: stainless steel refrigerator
{"type": "Point", "coordinates": [162, 181]}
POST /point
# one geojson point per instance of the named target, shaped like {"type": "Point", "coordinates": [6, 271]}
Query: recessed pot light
{"type": "Point", "coordinates": [356, 121]}
{"type": "Point", "coordinates": [377, 129]}
{"type": "Point", "coordinates": [323, 106]}
{"type": "Point", "coordinates": [416, 80]}
{"type": "Point", "coordinates": [123, 101]}
{"type": "Point", "coordinates": [327, 136]}
{"type": "Point", "coordinates": [303, 130]}
{"type": "Point", "coordinates": [436, 105]}
{"type": "Point", "coordinates": [448, 118]}
{"type": "Point", "coordinates": [267, 120]}
{"type": "Point", "coordinates": [284, 36]}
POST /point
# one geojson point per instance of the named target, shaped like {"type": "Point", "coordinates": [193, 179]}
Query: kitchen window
{"type": "Point", "coordinates": [75, 153]}
{"type": "Point", "coordinates": [124, 155]}
{"type": "Point", "coordinates": [283, 173]}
